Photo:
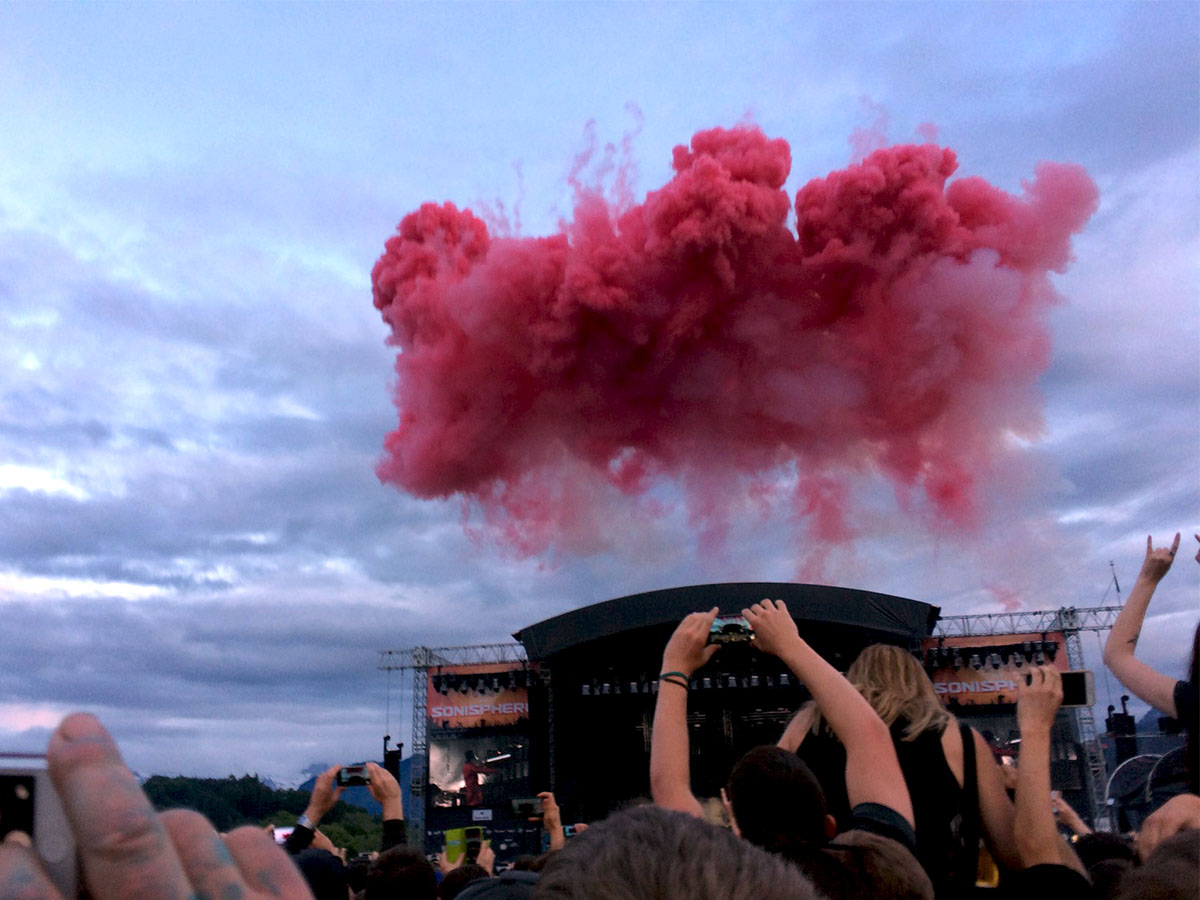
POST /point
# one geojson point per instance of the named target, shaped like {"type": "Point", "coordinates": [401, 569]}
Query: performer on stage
{"type": "Point", "coordinates": [471, 772]}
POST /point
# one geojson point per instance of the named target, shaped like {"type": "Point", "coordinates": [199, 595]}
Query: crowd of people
{"type": "Point", "coordinates": [873, 790]}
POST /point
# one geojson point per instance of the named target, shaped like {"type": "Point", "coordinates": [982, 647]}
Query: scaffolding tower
{"type": "Point", "coordinates": [1070, 621]}
{"type": "Point", "coordinates": [419, 660]}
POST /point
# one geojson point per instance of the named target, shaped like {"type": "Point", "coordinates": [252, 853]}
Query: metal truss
{"type": "Point", "coordinates": [1068, 618]}
{"type": "Point", "coordinates": [430, 657]}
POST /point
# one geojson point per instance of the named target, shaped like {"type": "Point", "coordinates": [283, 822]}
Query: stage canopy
{"type": "Point", "coordinates": [888, 618]}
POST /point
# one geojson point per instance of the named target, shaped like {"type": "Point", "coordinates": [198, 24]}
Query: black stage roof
{"type": "Point", "coordinates": [904, 620]}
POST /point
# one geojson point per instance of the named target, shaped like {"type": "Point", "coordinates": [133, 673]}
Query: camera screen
{"type": "Point", "coordinates": [16, 804]}
{"type": "Point", "coordinates": [730, 629]}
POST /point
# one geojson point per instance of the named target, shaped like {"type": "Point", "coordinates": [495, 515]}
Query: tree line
{"type": "Point", "coordinates": [232, 802]}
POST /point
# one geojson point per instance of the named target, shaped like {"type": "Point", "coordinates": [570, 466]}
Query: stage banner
{"type": "Point", "coordinates": [983, 670]}
{"type": "Point", "coordinates": [478, 696]}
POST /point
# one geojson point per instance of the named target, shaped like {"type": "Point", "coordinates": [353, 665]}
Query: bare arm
{"type": "Point", "coordinates": [798, 728]}
{"type": "Point", "coordinates": [1036, 834]}
{"type": "Point", "coordinates": [995, 809]}
{"type": "Point", "coordinates": [1154, 687]}
{"type": "Point", "coordinates": [670, 764]}
{"type": "Point", "coordinates": [872, 770]}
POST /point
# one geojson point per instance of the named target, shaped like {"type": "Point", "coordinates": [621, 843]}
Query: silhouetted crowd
{"type": "Point", "coordinates": [874, 790]}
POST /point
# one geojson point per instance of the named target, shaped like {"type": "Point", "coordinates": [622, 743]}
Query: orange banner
{"type": "Point", "coordinates": [983, 670]}
{"type": "Point", "coordinates": [477, 696]}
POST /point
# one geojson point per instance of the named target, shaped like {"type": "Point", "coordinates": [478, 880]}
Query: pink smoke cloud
{"type": "Point", "coordinates": [695, 340]}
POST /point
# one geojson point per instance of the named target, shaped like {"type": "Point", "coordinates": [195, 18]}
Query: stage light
{"type": "Point", "coordinates": [784, 680]}
{"type": "Point", "coordinates": [732, 681]}
{"type": "Point", "coordinates": [586, 690]}
{"type": "Point", "coordinates": [606, 688]}
{"type": "Point", "coordinates": [753, 681]}
{"type": "Point", "coordinates": [957, 661]}
{"type": "Point", "coordinates": [706, 683]}
{"type": "Point", "coordinates": [976, 662]}
{"type": "Point", "coordinates": [633, 687]}
{"type": "Point", "coordinates": [1039, 658]}
{"type": "Point", "coordinates": [1051, 650]}
{"type": "Point", "coordinates": [995, 660]}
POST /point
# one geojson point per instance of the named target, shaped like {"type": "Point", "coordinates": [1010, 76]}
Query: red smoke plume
{"type": "Point", "coordinates": [695, 339]}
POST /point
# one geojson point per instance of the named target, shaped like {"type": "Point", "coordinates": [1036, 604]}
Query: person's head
{"type": "Point", "coordinates": [1100, 845]}
{"type": "Point", "coordinates": [774, 798]}
{"type": "Point", "coordinates": [652, 852]}
{"type": "Point", "coordinates": [457, 879]}
{"type": "Point", "coordinates": [324, 872]}
{"type": "Point", "coordinates": [1169, 873]}
{"type": "Point", "coordinates": [895, 684]}
{"type": "Point", "coordinates": [401, 872]}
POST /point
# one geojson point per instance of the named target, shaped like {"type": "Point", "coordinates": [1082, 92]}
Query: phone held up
{"type": "Point", "coordinates": [353, 776]}
{"type": "Point", "coordinates": [29, 803]}
{"type": "Point", "coordinates": [730, 630]}
{"type": "Point", "coordinates": [1079, 688]}
{"type": "Point", "coordinates": [527, 807]}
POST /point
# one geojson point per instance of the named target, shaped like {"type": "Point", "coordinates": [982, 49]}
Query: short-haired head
{"type": "Point", "coordinates": [401, 872]}
{"type": "Point", "coordinates": [652, 852]}
{"type": "Point", "coordinates": [775, 798]}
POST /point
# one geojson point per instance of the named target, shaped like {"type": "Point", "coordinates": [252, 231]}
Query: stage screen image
{"type": "Point", "coordinates": [478, 771]}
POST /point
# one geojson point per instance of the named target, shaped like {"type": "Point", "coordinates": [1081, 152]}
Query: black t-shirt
{"type": "Point", "coordinates": [1187, 711]}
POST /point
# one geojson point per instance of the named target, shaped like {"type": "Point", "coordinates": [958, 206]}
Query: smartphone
{"type": "Point", "coordinates": [456, 843]}
{"type": "Point", "coordinates": [569, 831]}
{"type": "Point", "coordinates": [474, 840]}
{"type": "Point", "coordinates": [730, 630]}
{"type": "Point", "coordinates": [29, 803]}
{"type": "Point", "coordinates": [1079, 688]}
{"type": "Point", "coordinates": [352, 776]}
{"type": "Point", "coordinates": [282, 834]}
{"type": "Point", "coordinates": [525, 807]}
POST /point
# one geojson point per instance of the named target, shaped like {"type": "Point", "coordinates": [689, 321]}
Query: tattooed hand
{"type": "Point", "coordinates": [127, 851]}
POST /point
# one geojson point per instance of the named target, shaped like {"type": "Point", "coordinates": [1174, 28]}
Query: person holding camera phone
{"type": "Point", "coordinates": [325, 794]}
{"type": "Point", "coordinates": [772, 797]}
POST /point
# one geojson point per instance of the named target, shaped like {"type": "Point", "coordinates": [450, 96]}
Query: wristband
{"type": "Point", "coordinates": [305, 822]}
{"type": "Point", "coordinates": [683, 675]}
{"type": "Point", "coordinates": [670, 679]}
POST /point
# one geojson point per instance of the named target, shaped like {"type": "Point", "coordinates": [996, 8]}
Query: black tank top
{"type": "Point", "coordinates": [946, 816]}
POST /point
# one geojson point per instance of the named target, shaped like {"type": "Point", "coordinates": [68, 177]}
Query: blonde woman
{"type": "Point", "coordinates": [957, 796]}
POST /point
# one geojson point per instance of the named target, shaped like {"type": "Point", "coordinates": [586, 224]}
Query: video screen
{"type": "Point", "coordinates": [478, 771]}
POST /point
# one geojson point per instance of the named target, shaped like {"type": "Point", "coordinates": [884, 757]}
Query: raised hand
{"type": "Point", "coordinates": [1158, 559]}
{"type": "Point", "coordinates": [324, 795]}
{"type": "Point", "coordinates": [774, 627]}
{"type": "Point", "coordinates": [1038, 701]}
{"type": "Point", "coordinates": [688, 649]}
{"type": "Point", "coordinates": [127, 851]}
{"type": "Point", "coordinates": [384, 788]}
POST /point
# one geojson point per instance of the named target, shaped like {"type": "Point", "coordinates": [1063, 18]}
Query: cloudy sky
{"type": "Point", "coordinates": [195, 386]}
